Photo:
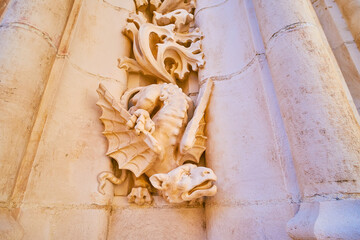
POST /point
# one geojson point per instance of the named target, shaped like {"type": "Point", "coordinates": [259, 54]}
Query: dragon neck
{"type": "Point", "coordinates": [175, 106]}
{"type": "Point", "coordinates": [170, 123]}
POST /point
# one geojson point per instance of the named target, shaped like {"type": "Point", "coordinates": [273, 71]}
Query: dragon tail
{"type": "Point", "coordinates": [103, 176]}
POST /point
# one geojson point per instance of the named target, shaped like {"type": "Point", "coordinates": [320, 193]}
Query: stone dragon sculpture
{"type": "Point", "coordinates": [153, 131]}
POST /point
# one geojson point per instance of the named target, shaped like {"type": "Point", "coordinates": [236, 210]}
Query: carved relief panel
{"type": "Point", "coordinates": [156, 132]}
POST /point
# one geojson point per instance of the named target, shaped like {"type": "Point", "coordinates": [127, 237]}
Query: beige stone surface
{"type": "Point", "coordinates": [253, 165]}
{"type": "Point", "coordinates": [26, 55]}
{"type": "Point", "coordinates": [283, 136]}
{"type": "Point", "coordinates": [21, 88]}
{"type": "Point", "coordinates": [9, 228]}
{"type": "Point", "coordinates": [96, 47]}
{"type": "Point", "coordinates": [225, 52]}
{"type": "Point", "coordinates": [292, 15]}
{"type": "Point", "coordinates": [259, 169]}
{"type": "Point", "coordinates": [72, 127]}
{"type": "Point", "coordinates": [120, 5]}
{"type": "Point", "coordinates": [332, 22]}
{"type": "Point", "coordinates": [43, 109]}
{"type": "Point", "coordinates": [350, 10]}
{"type": "Point", "coordinates": [63, 222]}
{"type": "Point", "coordinates": [243, 220]}
{"type": "Point", "coordinates": [162, 221]}
{"type": "Point", "coordinates": [313, 127]}
{"type": "Point", "coordinates": [205, 4]}
{"type": "Point", "coordinates": [71, 150]}
{"type": "Point", "coordinates": [343, 45]}
{"type": "Point", "coordinates": [321, 124]}
{"type": "Point", "coordinates": [69, 127]}
{"type": "Point", "coordinates": [263, 171]}
{"type": "Point", "coordinates": [47, 17]}
{"type": "Point", "coordinates": [327, 220]}
{"type": "Point", "coordinates": [348, 57]}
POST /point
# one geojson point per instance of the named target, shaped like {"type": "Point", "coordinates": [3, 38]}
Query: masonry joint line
{"type": "Point", "coordinates": [116, 7]}
{"type": "Point", "coordinates": [31, 28]}
{"type": "Point", "coordinates": [204, 8]}
{"type": "Point", "coordinates": [234, 74]}
{"type": "Point", "coordinates": [289, 28]}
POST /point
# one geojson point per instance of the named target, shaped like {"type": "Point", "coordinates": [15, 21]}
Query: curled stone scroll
{"type": "Point", "coordinates": [154, 133]}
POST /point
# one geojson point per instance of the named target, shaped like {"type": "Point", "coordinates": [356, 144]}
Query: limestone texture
{"type": "Point", "coordinates": [268, 92]}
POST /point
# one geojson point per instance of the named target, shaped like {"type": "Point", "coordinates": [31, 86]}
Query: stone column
{"type": "Point", "coordinates": [342, 44]}
{"type": "Point", "coordinates": [59, 200]}
{"type": "Point", "coordinates": [321, 125]}
{"type": "Point", "coordinates": [30, 32]}
{"type": "Point", "coordinates": [351, 12]}
{"type": "Point", "coordinates": [247, 144]}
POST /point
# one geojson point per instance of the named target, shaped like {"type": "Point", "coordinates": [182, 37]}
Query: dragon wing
{"type": "Point", "coordinates": [130, 150]}
{"type": "Point", "coordinates": [193, 142]}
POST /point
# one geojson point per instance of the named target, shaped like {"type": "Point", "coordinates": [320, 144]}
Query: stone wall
{"type": "Point", "coordinates": [282, 123]}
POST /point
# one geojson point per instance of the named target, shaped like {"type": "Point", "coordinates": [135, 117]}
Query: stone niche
{"type": "Point", "coordinates": [156, 131]}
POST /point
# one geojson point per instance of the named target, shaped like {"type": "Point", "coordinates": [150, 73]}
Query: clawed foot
{"type": "Point", "coordinates": [140, 196]}
{"type": "Point", "coordinates": [141, 122]}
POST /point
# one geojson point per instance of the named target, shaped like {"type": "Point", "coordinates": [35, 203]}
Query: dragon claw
{"type": "Point", "coordinates": [141, 122]}
{"type": "Point", "coordinates": [131, 122]}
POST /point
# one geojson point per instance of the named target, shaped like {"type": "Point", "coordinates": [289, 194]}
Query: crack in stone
{"type": "Point", "coordinates": [343, 44]}
{"type": "Point", "coordinates": [116, 7]}
{"type": "Point", "coordinates": [331, 197]}
{"type": "Point", "coordinates": [204, 8]}
{"type": "Point", "coordinates": [90, 206]}
{"type": "Point", "coordinates": [289, 28]}
{"type": "Point", "coordinates": [350, 42]}
{"type": "Point", "coordinates": [108, 224]}
{"type": "Point", "coordinates": [80, 69]}
{"type": "Point", "coordinates": [52, 206]}
{"type": "Point", "coordinates": [32, 29]}
{"type": "Point", "coordinates": [244, 203]}
{"type": "Point", "coordinates": [231, 75]}
{"type": "Point", "coordinates": [154, 206]}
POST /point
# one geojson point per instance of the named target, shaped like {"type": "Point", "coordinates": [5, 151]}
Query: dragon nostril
{"type": "Point", "coordinates": [206, 172]}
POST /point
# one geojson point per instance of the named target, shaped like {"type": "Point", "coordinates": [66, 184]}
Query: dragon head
{"type": "Point", "coordinates": [185, 183]}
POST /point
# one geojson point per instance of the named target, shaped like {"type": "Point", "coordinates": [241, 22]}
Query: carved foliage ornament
{"type": "Point", "coordinates": [149, 131]}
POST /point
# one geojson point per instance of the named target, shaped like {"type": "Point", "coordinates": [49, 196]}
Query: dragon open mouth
{"type": "Point", "coordinates": [205, 185]}
{"type": "Point", "coordinates": [206, 188]}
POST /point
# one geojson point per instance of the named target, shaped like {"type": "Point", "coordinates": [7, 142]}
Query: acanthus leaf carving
{"type": "Point", "coordinates": [171, 5]}
{"type": "Point", "coordinates": [161, 51]}
{"type": "Point", "coordinates": [165, 6]}
{"type": "Point", "coordinates": [181, 18]}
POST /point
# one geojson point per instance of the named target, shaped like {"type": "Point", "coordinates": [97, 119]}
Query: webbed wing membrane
{"type": "Point", "coordinates": [193, 142]}
{"type": "Point", "coordinates": [128, 149]}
